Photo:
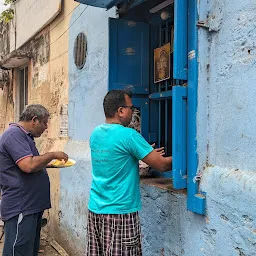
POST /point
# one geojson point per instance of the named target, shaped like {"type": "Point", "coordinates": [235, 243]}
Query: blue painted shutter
{"type": "Point", "coordinates": [100, 3]}
{"type": "Point", "coordinates": [179, 137]}
{"type": "Point", "coordinates": [180, 55]}
{"type": "Point", "coordinates": [129, 55]}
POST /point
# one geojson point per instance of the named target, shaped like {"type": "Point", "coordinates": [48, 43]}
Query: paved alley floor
{"type": "Point", "coordinates": [48, 250]}
{"type": "Point", "coordinates": [45, 247]}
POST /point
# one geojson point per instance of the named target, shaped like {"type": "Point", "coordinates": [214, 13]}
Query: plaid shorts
{"type": "Point", "coordinates": [113, 235]}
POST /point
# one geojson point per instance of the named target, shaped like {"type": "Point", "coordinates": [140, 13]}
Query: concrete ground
{"type": "Point", "coordinates": [47, 249]}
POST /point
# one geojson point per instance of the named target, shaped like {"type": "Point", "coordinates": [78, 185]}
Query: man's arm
{"type": "Point", "coordinates": [33, 164]}
{"type": "Point", "coordinates": [143, 151]}
{"type": "Point", "coordinates": [158, 162]}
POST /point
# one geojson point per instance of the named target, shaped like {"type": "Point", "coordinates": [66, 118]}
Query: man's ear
{"type": "Point", "coordinates": [120, 111]}
{"type": "Point", "coordinates": [34, 119]}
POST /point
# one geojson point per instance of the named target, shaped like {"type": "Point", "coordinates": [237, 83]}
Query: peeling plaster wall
{"type": "Point", "coordinates": [34, 10]}
{"type": "Point", "coordinates": [6, 94]}
{"type": "Point", "coordinates": [226, 124]}
{"type": "Point", "coordinates": [47, 85]}
{"type": "Point", "coordinates": [227, 59]}
{"type": "Point", "coordinates": [87, 88]}
{"type": "Point", "coordinates": [226, 140]}
{"type": "Point", "coordinates": [229, 227]}
{"type": "Point", "coordinates": [6, 105]}
{"type": "Point", "coordinates": [54, 87]}
{"type": "Point", "coordinates": [4, 39]}
{"type": "Point", "coordinates": [225, 127]}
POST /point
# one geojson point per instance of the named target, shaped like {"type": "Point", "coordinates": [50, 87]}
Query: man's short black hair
{"type": "Point", "coordinates": [113, 100]}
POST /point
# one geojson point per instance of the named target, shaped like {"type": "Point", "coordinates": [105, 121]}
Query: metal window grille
{"type": "Point", "coordinates": [162, 93]}
{"type": "Point", "coordinates": [80, 49]}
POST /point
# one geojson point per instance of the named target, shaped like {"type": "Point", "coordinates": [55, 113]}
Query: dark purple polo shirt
{"type": "Point", "coordinates": [22, 192]}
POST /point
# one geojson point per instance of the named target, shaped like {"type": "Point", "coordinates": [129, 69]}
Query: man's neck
{"type": "Point", "coordinates": [112, 121]}
{"type": "Point", "coordinates": [25, 125]}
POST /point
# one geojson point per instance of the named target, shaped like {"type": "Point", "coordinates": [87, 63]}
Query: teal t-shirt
{"type": "Point", "coordinates": [115, 151]}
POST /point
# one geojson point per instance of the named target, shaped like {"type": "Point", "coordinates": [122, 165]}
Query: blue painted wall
{"type": "Point", "coordinates": [87, 88]}
{"type": "Point", "coordinates": [226, 137]}
{"type": "Point", "coordinates": [226, 124]}
{"type": "Point", "coordinates": [226, 84]}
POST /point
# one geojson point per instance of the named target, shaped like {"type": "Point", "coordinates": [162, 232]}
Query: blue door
{"type": "Point", "coordinates": [129, 55]}
{"type": "Point", "coordinates": [129, 63]}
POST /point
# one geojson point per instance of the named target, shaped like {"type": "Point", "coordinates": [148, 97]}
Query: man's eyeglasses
{"type": "Point", "coordinates": [130, 107]}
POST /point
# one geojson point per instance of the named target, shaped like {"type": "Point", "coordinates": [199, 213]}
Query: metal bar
{"type": "Point", "coordinates": [159, 123]}
{"type": "Point", "coordinates": [160, 95]}
{"type": "Point", "coordinates": [166, 41]}
{"type": "Point", "coordinates": [161, 6]}
{"type": "Point", "coordinates": [166, 125]}
{"type": "Point", "coordinates": [160, 44]}
{"type": "Point", "coordinates": [159, 89]}
{"type": "Point", "coordinates": [166, 134]}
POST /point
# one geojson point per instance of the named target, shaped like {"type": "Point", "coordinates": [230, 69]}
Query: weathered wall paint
{"type": "Point", "coordinates": [226, 135]}
{"type": "Point", "coordinates": [54, 84]}
{"type": "Point", "coordinates": [6, 92]}
{"type": "Point", "coordinates": [226, 95]}
{"type": "Point", "coordinates": [4, 39]}
{"type": "Point", "coordinates": [229, 227]}
{"type": "Point", "coordinates": [32, 10]}
{"type": "Point", "coordinates": [226, 139]}
{"type": "Point", "coordinates": [47, 85]}
{"type": "Point", "coordinates": [87, 87]}
{"type": "Point", "coordinates": [6, 105]}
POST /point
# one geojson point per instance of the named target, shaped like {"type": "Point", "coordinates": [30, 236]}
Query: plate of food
{"type": "Point", "coordinates": [61, 163]}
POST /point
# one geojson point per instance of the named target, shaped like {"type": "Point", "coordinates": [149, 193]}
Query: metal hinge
{"type": "Point", "coordinates": [203, 24]}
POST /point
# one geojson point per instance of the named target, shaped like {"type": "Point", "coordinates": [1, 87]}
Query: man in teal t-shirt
{"type": "Point", "coordinates": [113, 220]}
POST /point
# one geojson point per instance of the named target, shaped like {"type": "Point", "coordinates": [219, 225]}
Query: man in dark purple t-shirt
{"type": "Point", "coordinates": [24, 182]}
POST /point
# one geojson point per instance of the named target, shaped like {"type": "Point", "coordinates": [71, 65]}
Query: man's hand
{"type": "Point", "coordinates": [37, 163]}
{"type": "Point", "coordinates": [159, 150]}
{"type": "Point", "coordinates": [60, 156]}
{"type": "Point", "coordinates": [156, 160]}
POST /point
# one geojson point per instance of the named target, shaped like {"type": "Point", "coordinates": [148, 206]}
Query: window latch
{"type": "Point", "coordinates": [197, 178]}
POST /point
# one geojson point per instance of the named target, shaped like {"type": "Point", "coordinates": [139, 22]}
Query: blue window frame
{"type": "Point", "coordinates": [168, 108]}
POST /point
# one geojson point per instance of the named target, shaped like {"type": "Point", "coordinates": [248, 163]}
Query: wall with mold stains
{"type": "Point", "coordinates": [87, 88]}
{"type": "Point", "coordinates": [6, 97]}
{"type": "Point", "coordinates": [226, 125]}
{"type": "Point", "coordinates": [225, 132]}
{"type": "Point", "coordinates": [225, 135]}
{"type": "Point", "coordinates": [50, 85]}
{"type": "Point", "coordinates": [47, 85]}
{"type": "Point", "coordinates": [226, 140]}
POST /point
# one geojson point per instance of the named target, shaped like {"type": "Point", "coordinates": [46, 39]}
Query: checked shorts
{"type": "Point", "coordinates": [113, 235]}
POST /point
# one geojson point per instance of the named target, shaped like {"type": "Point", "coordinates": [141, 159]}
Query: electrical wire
{"type": "Point", "coordinates": [59, 23]}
